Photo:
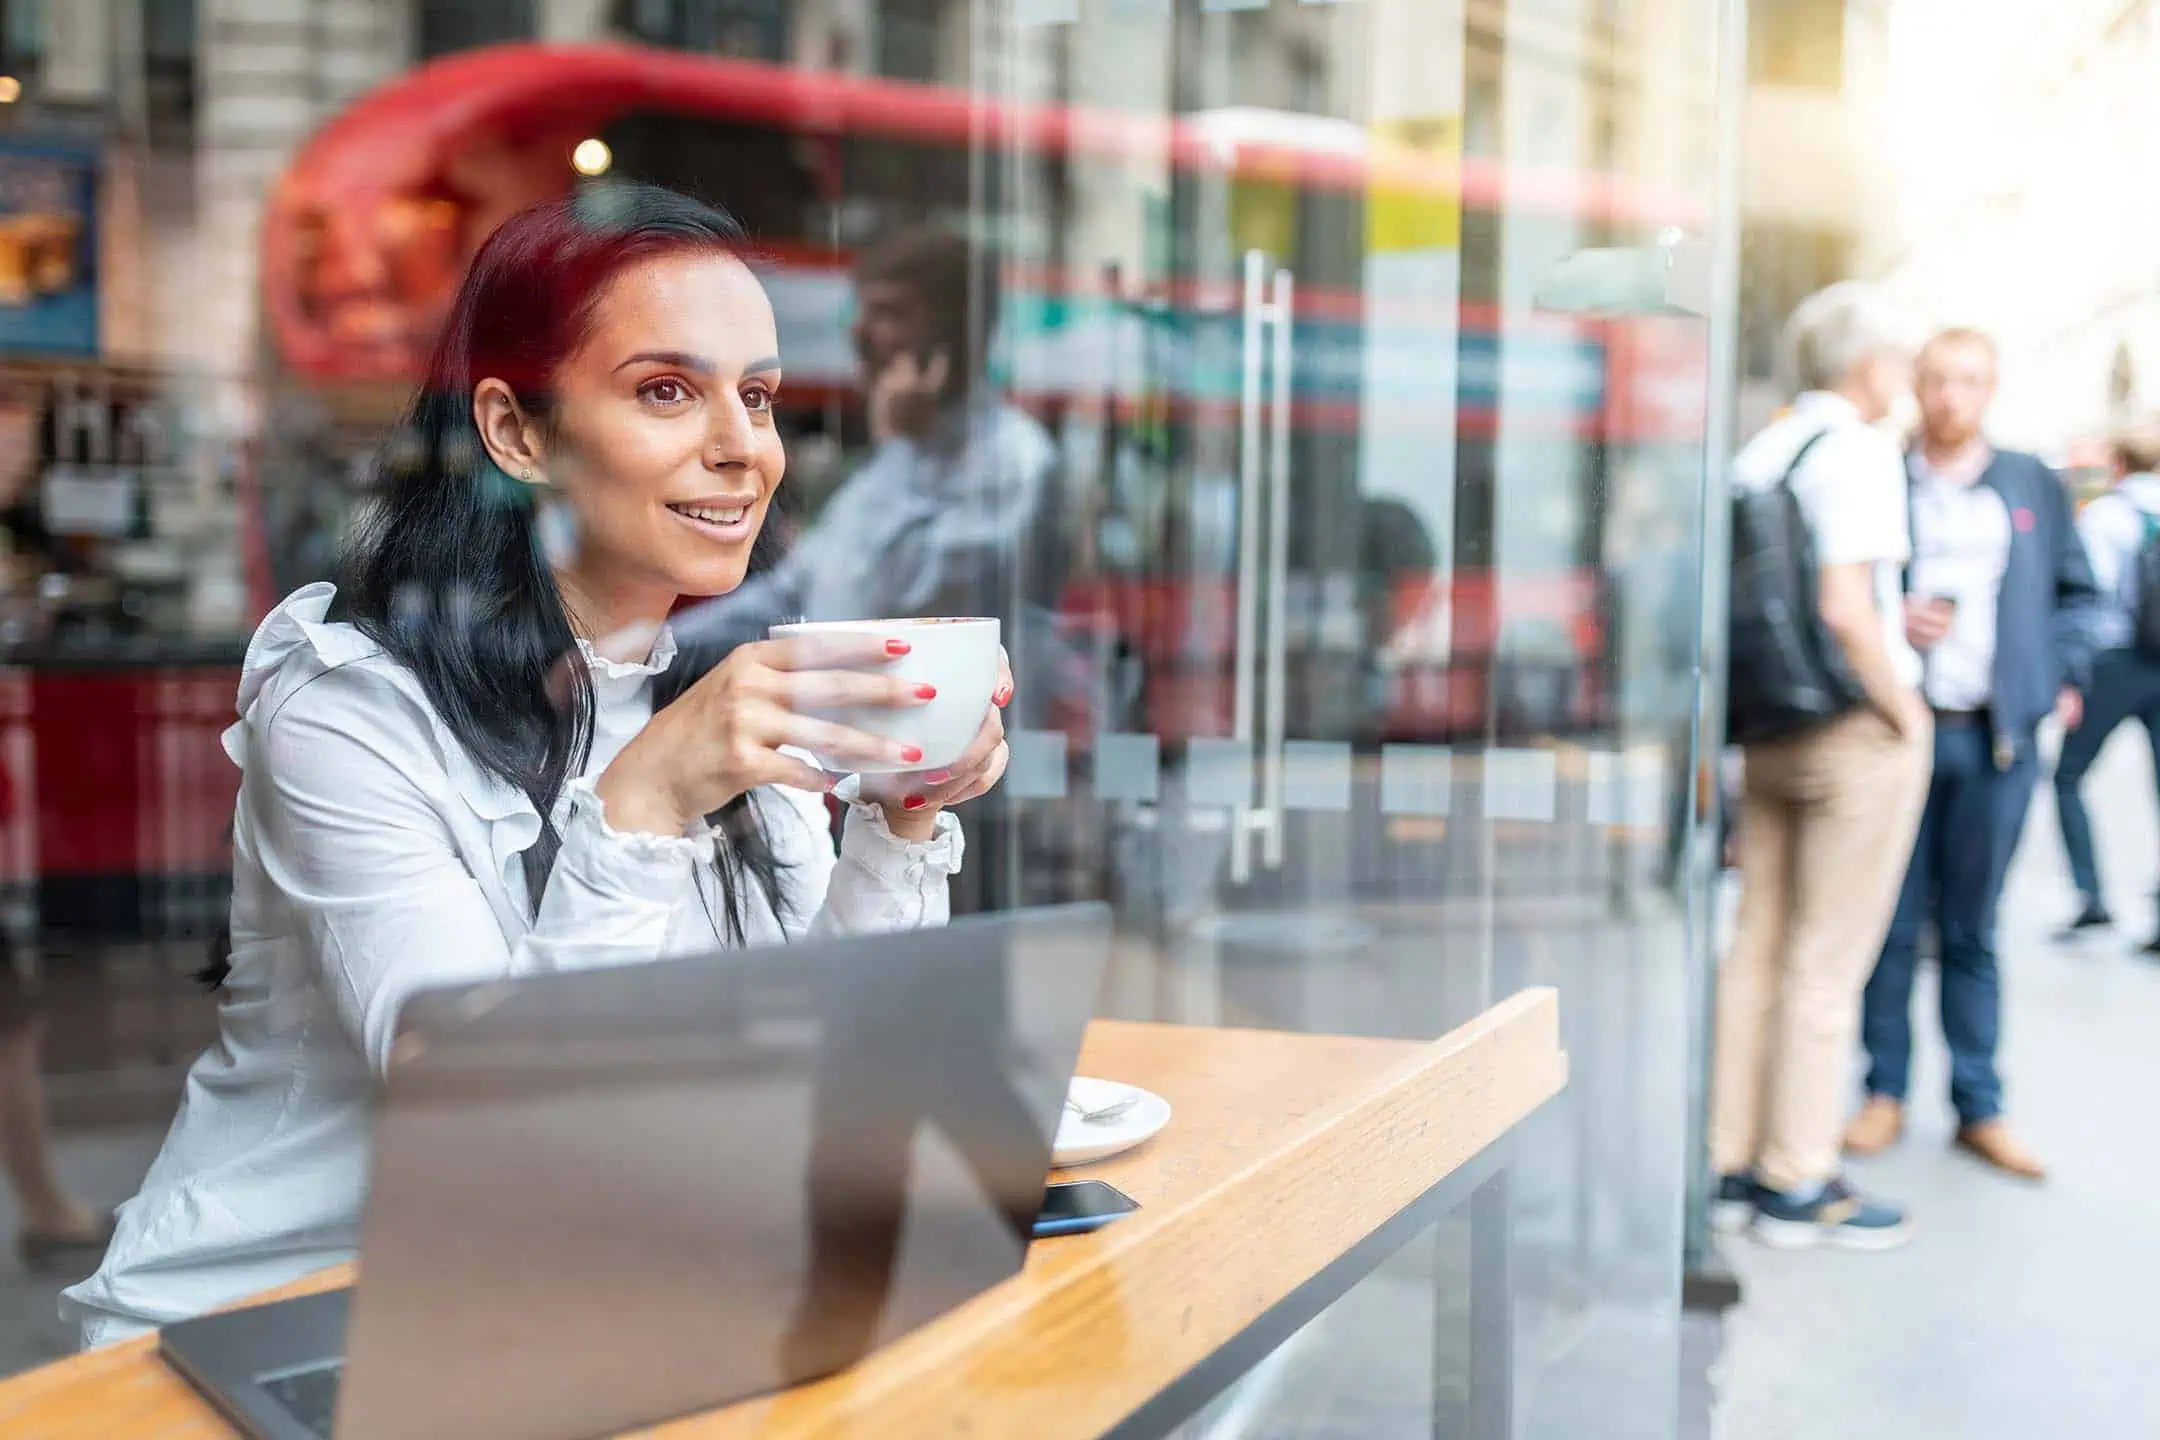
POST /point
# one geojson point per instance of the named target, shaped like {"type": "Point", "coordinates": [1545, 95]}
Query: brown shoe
{"type": "Point", "coordinates": [1991, 1141]}
{"type": "Point", "coordinates": [1876, 1128]}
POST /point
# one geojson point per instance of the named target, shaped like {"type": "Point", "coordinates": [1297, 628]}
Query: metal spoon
{"type": "Point", "coordinates": [1103, 1115]}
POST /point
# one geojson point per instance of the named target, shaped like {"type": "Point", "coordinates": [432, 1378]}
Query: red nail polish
{"type": "Point", "coordinates": [913, 802]}
{"type": "Point", "coordinates": [926, 692]}
{"type": "Point", "coordinates": [1004, 694]}
{"type": "Point", "coordinates": [909, 754]}
{"type": "Point", "coordinates": [897, 647]}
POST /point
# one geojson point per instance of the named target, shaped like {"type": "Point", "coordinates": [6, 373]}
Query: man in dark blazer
{"type": "Point", "coordinates": [1999, 602]}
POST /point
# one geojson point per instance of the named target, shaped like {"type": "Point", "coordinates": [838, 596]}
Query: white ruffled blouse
{"type": "Point", "coordinates": [371, 857]}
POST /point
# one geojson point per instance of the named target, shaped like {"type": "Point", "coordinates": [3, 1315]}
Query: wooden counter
{"type": "Point", "coordinates": [1293, 1165]}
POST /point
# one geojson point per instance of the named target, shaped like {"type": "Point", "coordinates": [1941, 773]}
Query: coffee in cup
{"type": "Point", "coordinates": [958, 657]}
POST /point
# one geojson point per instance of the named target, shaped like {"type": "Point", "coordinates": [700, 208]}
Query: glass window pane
{"type": "Point", "coordinates": [1347, 561]}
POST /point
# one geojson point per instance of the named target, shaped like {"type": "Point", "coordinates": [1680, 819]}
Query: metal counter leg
{"type": "Point", "coordinates": [1492, 1313]}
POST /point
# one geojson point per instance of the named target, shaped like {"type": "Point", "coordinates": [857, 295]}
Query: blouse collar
{"type": "Point", "coordinates": [662, 656]}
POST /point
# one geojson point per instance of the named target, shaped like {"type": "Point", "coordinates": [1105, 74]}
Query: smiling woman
{"type": "Point", "coordinates": [666, 453]}
{"type": "Point", "coordinates": [483, 756]}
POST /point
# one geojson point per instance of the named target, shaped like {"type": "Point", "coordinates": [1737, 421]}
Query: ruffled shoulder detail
{"type": "Point", "coordinates": [296, 644]}
{"type": "Point", "coordinates": [297, 628]}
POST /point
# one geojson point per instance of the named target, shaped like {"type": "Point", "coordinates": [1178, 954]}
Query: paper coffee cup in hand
{"type": "Point", "coordinates": [958, 657]}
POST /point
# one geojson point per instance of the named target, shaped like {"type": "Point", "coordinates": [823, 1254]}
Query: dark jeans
{"type": "Point", "coordinates": [1970, 826]}
{"type": "Point", "coordinates": [2125, 685]}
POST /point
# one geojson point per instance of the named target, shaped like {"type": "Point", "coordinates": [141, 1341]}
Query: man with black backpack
{"type": "Point", "coordinates": [2121, 531]}
{"type": "Point", "coordinates": [1823, 700]}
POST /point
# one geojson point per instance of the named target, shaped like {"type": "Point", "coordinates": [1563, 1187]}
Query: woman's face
{"type": "Point", "coordinates": [663, 442]}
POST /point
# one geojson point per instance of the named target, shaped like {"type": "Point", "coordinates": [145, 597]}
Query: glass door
{"type": "Point", "coordinates": [1368, 341]}
{"type": "Point", "coordinates": [1317, 393]}
{"type": "Point", "coordinates": [1232, 295]}
{"type": "Point", "coordinates": [1231, 268]}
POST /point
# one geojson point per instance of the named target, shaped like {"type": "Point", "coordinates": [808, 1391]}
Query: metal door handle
{"type": "Point", "coordinates": [1272, 739]}
{"type": "Point", "coordinates": [1263, 558]}
{"type": "Point", "coordinates": [1248, 561]}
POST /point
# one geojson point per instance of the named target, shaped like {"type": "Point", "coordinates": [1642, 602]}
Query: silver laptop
{"type": "Point", "coordinates": [606, 1198]}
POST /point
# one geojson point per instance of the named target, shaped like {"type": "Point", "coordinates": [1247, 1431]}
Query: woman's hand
{"type": "Point", "coordinates": [912, 801]}
{"type": "Point", "coordinates": [723, 736]}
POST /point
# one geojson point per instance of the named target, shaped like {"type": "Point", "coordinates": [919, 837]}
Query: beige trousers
{"type": "Point", "coordinates": [1826, 831]}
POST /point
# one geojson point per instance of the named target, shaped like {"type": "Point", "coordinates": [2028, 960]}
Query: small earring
{"type": "Point", "coordinates": [526, 475]}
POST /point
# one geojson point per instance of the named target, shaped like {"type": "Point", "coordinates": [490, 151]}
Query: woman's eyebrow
{"type": "Point", "coordinates": [684, 360]}
{"type": "Point", "coordinates": [681, 359]}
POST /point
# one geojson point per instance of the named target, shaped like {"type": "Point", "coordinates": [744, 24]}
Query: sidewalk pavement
{"type": "Point", "coordinates": [2016, 1310]}
{"type": "Point", "coordinates": [103, 1167]}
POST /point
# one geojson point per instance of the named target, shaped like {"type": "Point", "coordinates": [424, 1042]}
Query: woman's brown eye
{"type": "Point", "coordinates": [758, 398]}
{"type": "Point", "coordinates": [664, 392]}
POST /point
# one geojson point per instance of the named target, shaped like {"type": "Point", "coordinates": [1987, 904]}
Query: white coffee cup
{"type": "Point", "coordinates": [959, 657]}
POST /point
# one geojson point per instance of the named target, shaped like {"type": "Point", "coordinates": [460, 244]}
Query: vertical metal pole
{"type": "Point", "coordinates": [1492, 1312]}
{"type": "Point", "coordinates": [1706, 741]}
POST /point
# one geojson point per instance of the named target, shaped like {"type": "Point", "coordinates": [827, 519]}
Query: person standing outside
{"type": "Point", "coordinates": [1827, 819]}
{"type": "Point", "coordinates": [2115, 527]}
{"type": "Point", "coordinates": [1999, 599]}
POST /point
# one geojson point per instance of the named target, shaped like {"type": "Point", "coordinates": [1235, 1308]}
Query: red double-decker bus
{"type": "Point", "coordinates": [370, 229]}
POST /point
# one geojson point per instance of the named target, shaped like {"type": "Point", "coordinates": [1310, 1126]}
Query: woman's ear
{"type": "Point", "coordinates": [512, 437]}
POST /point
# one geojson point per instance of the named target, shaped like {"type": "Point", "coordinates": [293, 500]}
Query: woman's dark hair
{"type": "Point", "coordinates": [449, 575]}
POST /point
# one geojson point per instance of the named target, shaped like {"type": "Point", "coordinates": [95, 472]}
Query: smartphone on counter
{"type": "Point", "coordinates": [1074, 1207]}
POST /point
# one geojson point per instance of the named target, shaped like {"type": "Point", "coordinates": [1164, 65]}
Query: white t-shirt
{"type": "Point", "coordinates": [1961, 549]}
{"type": "Point", "coordinates": [1851, 487]}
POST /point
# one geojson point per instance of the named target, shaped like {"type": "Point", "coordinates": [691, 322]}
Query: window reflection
{"type": "Point", "coordinates": [1355, 632]}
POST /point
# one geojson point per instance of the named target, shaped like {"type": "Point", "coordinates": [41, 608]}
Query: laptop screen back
{"type": "Point", "coordinates": [607, 1197]}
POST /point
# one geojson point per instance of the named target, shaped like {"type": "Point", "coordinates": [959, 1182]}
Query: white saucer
{"type": "Point", "coordinates": [1082, 1143]}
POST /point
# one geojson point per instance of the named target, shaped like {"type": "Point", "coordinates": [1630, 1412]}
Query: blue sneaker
{"type": "Point", "coordinates": [1838, 1216]}
{"type": "Point", "coordinates": [1734, 1203]}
